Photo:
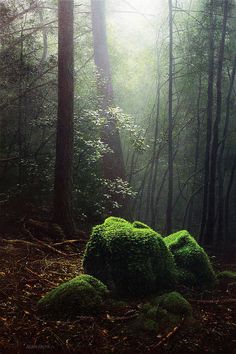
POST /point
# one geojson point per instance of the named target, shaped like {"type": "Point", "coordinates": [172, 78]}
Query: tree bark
{"type": "Point", "coordinates": [170, 126]}
{"type": "Point", "coordinates": [113, 164]}
{"type": "Point", "coordinates": [211, 212]}
{"type": "Point", "coordinates": [64, 142]}
{"type": "Point", "coordinates": [209, 122]}
{"type": "Point", "coordinates": [221, 231]}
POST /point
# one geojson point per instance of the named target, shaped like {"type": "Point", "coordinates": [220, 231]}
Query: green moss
{"type": "Point", "coordinates": [149, 325]}
{"type": "Point", "coordinates": [226, 276]}
{"type": "Point", "coordinates": [129, 260]}
{"type": "Point", "coordinates": [163, 312]}
{"type": "Point", "coordinates": [114, 219]}
{"type": "Point", "coordinates": [175, 303]}
{"type": "Point", "coordinates": [193, 264]}
{"type": "Point", "coordinates": [81, 295]}
{"type": "Point", "coordinates": [140, 225]}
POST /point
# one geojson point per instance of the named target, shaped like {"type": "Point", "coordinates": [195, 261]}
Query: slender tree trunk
{"type": "Point", "coordinates": [227, 199]}
{"type": "Point", "coordinates": [113, 164]}
{"type": "Point", "coordinates": [196, 157]}
{"type": "Point", "coordinates": [45, 37]}
{"type": "Point", "coordinates": [155, 155]}
{"type": "Point", "coordinates": [221, 215]}
{"type": "Point", "coordinates": [209, 121]}
{"type": "Point", "coordinates": [211, 213]}
{"type": "Point", "coordinates": [20, 114]}
{"type": "Point", "coordinates": [170, 126]}
{"type": "Point", "coordinates": [64, 143]}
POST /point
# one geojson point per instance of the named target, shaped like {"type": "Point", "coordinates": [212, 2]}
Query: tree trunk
{"type": "Point", "coordinates": [170, 126]}
{"type": "Point", "coordinates": [209, 122]}
{"type": "Point", "coordinates": [113, 164]}
{"type": "Point", "coordinates": [196, 157]}
{"type": "Point", "coordinates": [211, 213]}
{"type": "Point", "coordinates": [227, 199]}
{"type": "Point", "coordinates": [221, 219]}
{"type": "Point", "coordinates": [64, 143]}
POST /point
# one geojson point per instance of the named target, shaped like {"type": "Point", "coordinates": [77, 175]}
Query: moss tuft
{"type": "Point", "coordinates": [78, 296]}
{"type": "Point", "coordinates": [114, 219]}
{"type": "Point", "coordinates": [193, 264]}
{"type": "Point", "coordinates": [163, 312]}
{"type": "Point", "coordinates": [140, 225]}
{"type": "Point", "coordinates": [131, 261]}
{"type": "Point", "coordinates": [227, 275]}
{"type": "Point", "coordinates": [175, 303]}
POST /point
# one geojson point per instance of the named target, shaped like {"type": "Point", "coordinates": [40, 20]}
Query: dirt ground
{"type": "Point", "coordinates": [29, 270]}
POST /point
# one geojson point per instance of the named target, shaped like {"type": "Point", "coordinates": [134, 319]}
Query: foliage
{"type": "Point", "coordinates": [81, 295]}
{"type": "Point", "coordinates": [131, 261]}
{"type": "Point", "coordinates": [194, 267]}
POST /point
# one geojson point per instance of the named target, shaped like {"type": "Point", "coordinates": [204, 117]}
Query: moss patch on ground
{"type": "Point", "coordinates": [226, 278]}
{"type": "Point", "coordinates": [163, 312]}
{"type": "Point", "coordinates": [193, 264]}
{"type": "Point", "coordinates": [132, 259]}
{"type": "Point", "coordinates": [79, 296]}
{"type": "Point", "coordinates": [227, 275]}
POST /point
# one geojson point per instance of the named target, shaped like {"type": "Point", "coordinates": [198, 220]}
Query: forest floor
{"type": "Point", "coordinates": [29, 270]}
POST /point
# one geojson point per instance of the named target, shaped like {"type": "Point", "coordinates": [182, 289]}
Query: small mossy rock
{"type": "Point", "coordinates": [131, 261]}
{"type": "Point", "coordinates": [163, 312]}
{"type": "Point", "coordinates": [227, 276]}
{"type": "Point", "coordinates": [175, 303]}
{"type": "Point", "coordinates": [226, 279]}
{"type": "Point", "coordinates": [193, 264]}
{"type": "Point", "coordinates": [81, 295]}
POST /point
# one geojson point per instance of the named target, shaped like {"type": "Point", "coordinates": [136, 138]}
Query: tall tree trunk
{"type": "Point", "coordinates": [20, 113]}
{"type": "Point", "coordinates": [155, 158]}
{"type": "Point", "coordinates": [170, 126]}
{"type": "Point", "coordinates": [113, 164]}
{"type": "Point", "coordinates": [196, 157]}
{"type": "Point", "coordinates": [211, 212]}
{"type": "Point", "coordinates": [209, 121]}
{"type": "Point", "coordinates": [64, 143]}
{"type": "Point", "coordinates": [227, 199]}
{"type": "Point", "coordinates": [221, 217]}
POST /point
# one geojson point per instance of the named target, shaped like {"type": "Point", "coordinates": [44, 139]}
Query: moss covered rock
{"type": "Point", "coordinates": [78, 296]}
{"type": "Point", "coordinates": [227, 280]}
{"type": "Point", "coordinates": [227, 275]}
{"type": "Point", "coordinates": [175, 303]}
{"type": "Point", "coordinates": [129, 259]}
{"type": "Point", "coordinates": [193, 264]}
{"type": "Point", "coordinates": [163, 312]}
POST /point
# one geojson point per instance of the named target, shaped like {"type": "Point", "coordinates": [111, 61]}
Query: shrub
{"type": "Point", "coordinates": [128, 259]}
{"type": "Point", "coordinates": [81, 295]}
{"type": "Point", "coordinates": [193, 264]}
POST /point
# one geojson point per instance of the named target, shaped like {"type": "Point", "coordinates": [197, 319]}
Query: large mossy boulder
{"type": "Point", "coordinates": [193, 264]}
{"type": "Point", "coordinates": [131, 259]}
{"type": "Point", "coordinates": [81, 295]}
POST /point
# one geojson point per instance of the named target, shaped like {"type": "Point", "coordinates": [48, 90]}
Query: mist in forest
{"type": "Point", "coordinates": [167, 153]}
{"type": "Point", "coordinates": [117, 176]}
